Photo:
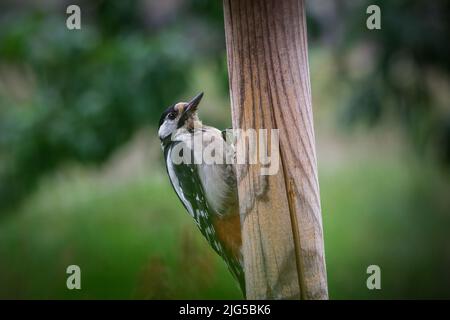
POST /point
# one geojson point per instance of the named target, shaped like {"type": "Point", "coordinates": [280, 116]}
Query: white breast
{"type": "Point", "coordinates": [218, 180]}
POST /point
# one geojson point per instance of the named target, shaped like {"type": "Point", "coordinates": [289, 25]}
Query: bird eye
{"type": "Point", "coordinates": [172, 115]}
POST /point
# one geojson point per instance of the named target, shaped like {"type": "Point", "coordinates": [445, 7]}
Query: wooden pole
{"type": "Point", "coordinates": [270, 88]}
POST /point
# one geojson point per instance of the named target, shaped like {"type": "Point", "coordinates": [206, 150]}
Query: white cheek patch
{"type": "Point", "coordinates": [167, 128]}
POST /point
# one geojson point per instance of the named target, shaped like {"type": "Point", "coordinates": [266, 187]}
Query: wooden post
{"type": "Point", "coordinates": [270, 88]}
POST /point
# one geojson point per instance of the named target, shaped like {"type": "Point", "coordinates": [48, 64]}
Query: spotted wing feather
{"type": "Point", "coordinates": [186, 183]}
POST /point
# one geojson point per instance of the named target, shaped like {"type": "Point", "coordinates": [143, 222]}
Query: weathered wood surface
{"type": "Point", "coordinates": [270, 88]}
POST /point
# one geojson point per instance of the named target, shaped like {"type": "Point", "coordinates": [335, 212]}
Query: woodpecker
{"type": "Point", "coordinates": [208, 191]}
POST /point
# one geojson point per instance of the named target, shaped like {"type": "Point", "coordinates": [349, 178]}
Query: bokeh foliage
{"type": "Point", "coordinates": [406, 70]}
{"type": "Point", "coordinates": [82, 94]}
{"type": "Point", "coordinates": [76, 97]}
{"type": "Point", "coordinates": [85, 92]}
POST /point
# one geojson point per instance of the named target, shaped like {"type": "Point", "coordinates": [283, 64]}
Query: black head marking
{"type": "Point", "coordinates": [187, 110]}
{"type": "Point", "coordinates": [165, 113]}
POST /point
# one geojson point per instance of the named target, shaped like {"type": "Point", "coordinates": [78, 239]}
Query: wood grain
{"type": "Point", "coordinates": [281, 219]}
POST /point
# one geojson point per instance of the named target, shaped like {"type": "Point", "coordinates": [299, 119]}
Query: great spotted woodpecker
{"type": "Point", "coordinates": [207, 190]}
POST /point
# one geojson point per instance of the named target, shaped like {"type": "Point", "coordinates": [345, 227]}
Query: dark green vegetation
{"type": "Point", "coordinates": [78, 95]}
{"type": "Point", "coordinates": [133, 239]}
{"type": "Point", "coordinates": [69, 100]}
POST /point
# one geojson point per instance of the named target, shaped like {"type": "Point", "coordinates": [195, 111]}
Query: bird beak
{"type": "Point", "coordinates": [189, 109]}
{"type": "Point", "coordinates": [193, 104]}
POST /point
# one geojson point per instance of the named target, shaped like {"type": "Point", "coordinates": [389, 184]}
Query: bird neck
{"type": "Point", "coordinates": [166, 141]}
{"type": "Point", "coordinates": [192, 123]}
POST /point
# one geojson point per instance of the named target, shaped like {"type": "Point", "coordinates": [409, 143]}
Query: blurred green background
{"type": "Point", "coordinates": [82, 179]}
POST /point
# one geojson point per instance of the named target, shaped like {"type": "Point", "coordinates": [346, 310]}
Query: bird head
{"type": "Point", "coordinates": [182, 115]}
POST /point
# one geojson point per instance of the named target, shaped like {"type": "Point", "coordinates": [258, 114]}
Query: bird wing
{"type": "Point", "coordinates": [187, 185]}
